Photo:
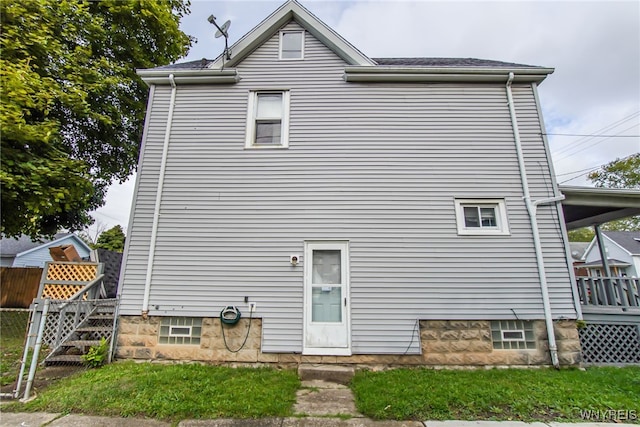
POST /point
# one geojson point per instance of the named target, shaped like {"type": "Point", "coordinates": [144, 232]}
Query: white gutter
{"type": "Point", "coordinates": [441, 74]}
{"type": "Point", "coordinates": [156, 211]}
{"type": "Point", "coordinates": [531, 209]}
{"type": "Point", "coordinates": [188, 76]}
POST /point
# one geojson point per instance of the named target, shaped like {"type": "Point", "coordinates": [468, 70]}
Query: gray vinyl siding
{"type": "Point", "coordinates": [376, 164]}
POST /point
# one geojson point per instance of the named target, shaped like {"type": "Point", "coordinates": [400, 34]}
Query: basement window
{"type": "Point", "coordinates": [512, 335]}
{"type": "Point", "coordinates": [180, 330]}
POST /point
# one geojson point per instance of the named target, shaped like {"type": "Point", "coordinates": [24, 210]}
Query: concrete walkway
{"type": "Point", "coordinates": [58, 420]}
{"type": "Point", "coordinates": [319, 404]}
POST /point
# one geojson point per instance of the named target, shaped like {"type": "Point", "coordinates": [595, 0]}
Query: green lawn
{"type": "Point", "coordinates": [12, 334]}
{"type": "Point", "coordinates": [170, 392]}
{"type": "Point", "coordinates": [497, 394]}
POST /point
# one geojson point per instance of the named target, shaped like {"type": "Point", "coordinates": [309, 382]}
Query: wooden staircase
{"type": "Point", "coordinates": [98, 323]}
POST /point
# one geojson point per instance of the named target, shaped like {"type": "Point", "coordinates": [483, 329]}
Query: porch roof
{"type": "Point", "coordinates": [588, 206]}
{"type": "Point", "coordinates": [611, 261]}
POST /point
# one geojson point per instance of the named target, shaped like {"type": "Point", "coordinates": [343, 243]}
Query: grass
{"type": "Point", "coordinates": [170, 392]}
{"type": "Point", "coordinates": [12, 334]}
{"type": "Point", "coordinates": [497, 394]}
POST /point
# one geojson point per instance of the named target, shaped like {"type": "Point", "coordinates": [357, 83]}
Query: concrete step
{"type": "Point", "coordinates": [332, 373]}
{"type": "Point", "coordinates": [80, 343]}
{"type": "Point", "coordinates": [67, 358]}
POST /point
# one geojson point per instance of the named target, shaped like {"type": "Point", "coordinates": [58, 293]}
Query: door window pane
{"type": "Point", "coordinates": [326, 304]}
{"type": "Point", "coordinates": [326, 269]}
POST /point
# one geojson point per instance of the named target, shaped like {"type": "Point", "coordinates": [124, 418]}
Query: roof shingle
{"type": "Point", "coordinates": [204, 63]}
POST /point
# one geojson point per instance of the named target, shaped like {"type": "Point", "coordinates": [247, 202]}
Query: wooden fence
{"type": "Point", "coordinates": [19, 286]}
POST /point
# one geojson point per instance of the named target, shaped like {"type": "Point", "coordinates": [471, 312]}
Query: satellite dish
{"type": "Point", "coordinates": [222, 31]}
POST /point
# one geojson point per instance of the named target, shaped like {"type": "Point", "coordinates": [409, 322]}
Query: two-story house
{"type": "Point", "coordinates": [354, 209]}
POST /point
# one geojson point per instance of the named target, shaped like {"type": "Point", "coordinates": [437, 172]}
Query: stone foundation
{"type": "Point", "coordinates": [444, 343]}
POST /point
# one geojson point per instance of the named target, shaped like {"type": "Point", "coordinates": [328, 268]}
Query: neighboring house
{"type": "Point", "coordinates": [577, 250]}
{"type": "Point", "coordinates": [623, 254]}
{"type": "Point", "coordinates": [373, 211]}
{"type": "Point", "coordinates": [23, 252]}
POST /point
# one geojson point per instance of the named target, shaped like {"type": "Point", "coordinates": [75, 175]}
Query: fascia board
{"type": "Point", "coordinates": [189, 76]}
{"type": "Point", "coordinates": [292, 10]}
{"type": "Point", "coordinates": [443, 74]}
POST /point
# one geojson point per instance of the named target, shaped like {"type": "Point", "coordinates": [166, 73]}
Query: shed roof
{"type": "Point", "coordinates": [10, 246]}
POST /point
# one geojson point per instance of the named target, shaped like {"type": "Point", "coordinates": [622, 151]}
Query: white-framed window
{"type": "Point", "coordinates": [268, 119]}
{"type": "Point", "coordinates": [180, 330]}
{"type": "Point", "coordinates": [512, 335]}
{"type": "Point", "coordinates": [481, 217]}
{"type": "Point", "coordinates": [292, 44]}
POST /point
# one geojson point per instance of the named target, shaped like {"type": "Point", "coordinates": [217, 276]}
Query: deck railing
{"type": "Point", "coordinates": [609, 291]}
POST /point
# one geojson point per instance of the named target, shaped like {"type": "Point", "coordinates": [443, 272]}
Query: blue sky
{"type": "Point", "coordinates": [593, 45]}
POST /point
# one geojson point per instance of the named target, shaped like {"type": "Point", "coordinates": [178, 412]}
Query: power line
{"type": "Point", "coordinates": [592, 168]}
{"type": "Point", "coordinates": [583, 140]}
{"type": "Point", "coordinates": [587, 170]}
{"type": "Point", "coordinates": [595, 136]}
{"type": "Point", "coordinates": [567, 155]}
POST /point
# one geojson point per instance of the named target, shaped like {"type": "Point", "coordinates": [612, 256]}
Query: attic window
{"type": "Point", "coordinates": [291, 45]}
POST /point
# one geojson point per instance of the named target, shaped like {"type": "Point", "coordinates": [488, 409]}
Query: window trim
{"type": "Point", "coordinates": [173, 338]}
{"type": "Point", "coordinates": [520, 331]}
{"type": "Point", "coordinates": [525, 327]}
{"type": "Point", "coordinates": [502, 228]}
{"type": "Point", "coordinates": [281, 38]}
{"type": "Point", "coordinates": [252, 109]}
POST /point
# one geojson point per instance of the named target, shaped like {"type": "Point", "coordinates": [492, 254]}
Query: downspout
{"type": "Point", "coordinates": [156, 211]}
{"type": "Point", "coordinates": [531, 209]}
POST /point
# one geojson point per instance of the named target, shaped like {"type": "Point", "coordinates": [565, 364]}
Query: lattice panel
{"type": "Point", "coordinates": [66, 327]}
{"type": "Point", "coordinates": [610, 343]}
{"type": "Point", "coordinates": [61, 292]}
{"type": "Point", "coordinates": [83, 272]}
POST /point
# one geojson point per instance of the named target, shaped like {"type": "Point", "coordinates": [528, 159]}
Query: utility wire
{"type": "Point", "coordinates": [586, 170]}
{"type": "Point", "coordinates": [592, 168]}
{"type": "Point", "coordinates": [595, 136]}
{"type": "Point", "coordinates": [567, 155]}
{"type": "Point", "coordinates": [583, 140]}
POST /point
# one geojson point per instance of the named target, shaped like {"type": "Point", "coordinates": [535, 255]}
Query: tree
{"type": "Point", "coordinates": [112, 239]}
{"type": "Point", "coordinates": [621, 173]}
{"type": "Point", "coordinates": [584, 234]}
{"type": "Point", "coordinates": [90, 234]}
{"type": "Point", "coordinates": [71, 105]}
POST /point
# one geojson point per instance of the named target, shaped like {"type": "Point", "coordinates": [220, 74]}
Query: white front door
{"type": "Point", "coordinates": [326, 298]}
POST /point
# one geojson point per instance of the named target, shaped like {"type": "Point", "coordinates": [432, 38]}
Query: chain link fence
{"type": "Point", "coordinates": [52, 340]}
{"type": "Point", "coordinates": [14, 326]}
